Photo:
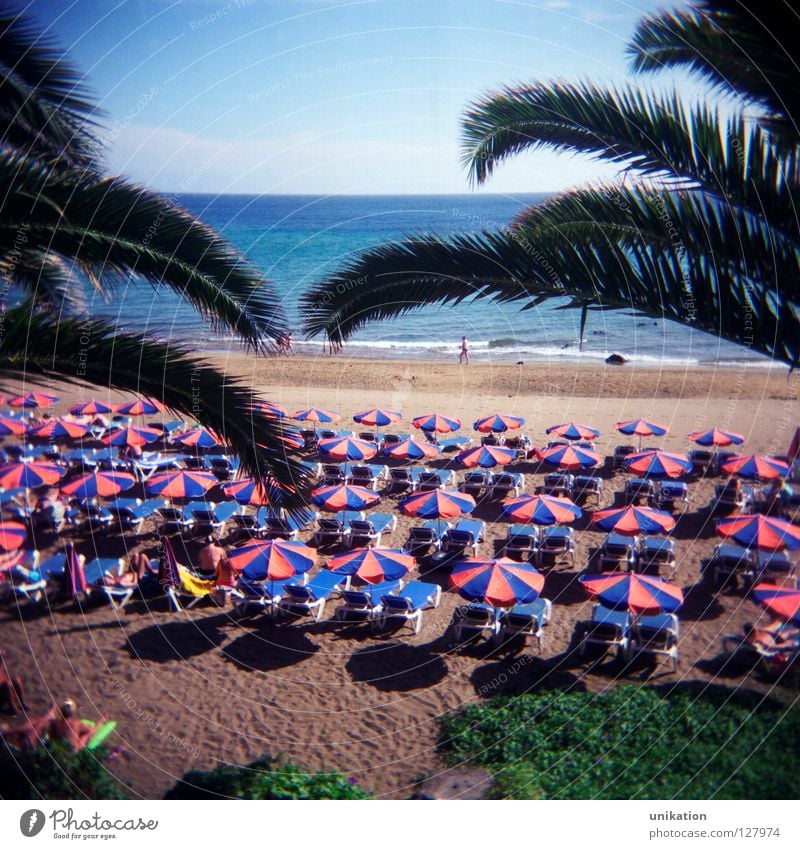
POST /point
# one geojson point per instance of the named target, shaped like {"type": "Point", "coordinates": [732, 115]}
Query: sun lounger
{"type": "Point", "coordinates": [475, 484]}
{"type": "Point", "coordinates": [359, 474]}
{"type": "Point", "coordinates": [608, 628]}
{"type": "Point", "coordinates": [639, 489]}
{"type": "Point", "coordinates": [271, 525]}
{"type": "Point", "coordinates": [671, 493]}
{"type": "Point", "coordinates": [332, 474]}
{"type": "Point", "coordinates": [454, 443]}
{"type": "Point", "coordinates": [504, 485]}
{"type": "Point", "coordinates": [730, 497]}
{"type": "Point", "coordinates": [775, 566]}
{"type": "Point", "coordinates": [527, 620]}
{"type": "Point", "coordinates": [404, 479]}
{"type": "Point", "coordinates": [365, 604]}
{"type": "Point", "coordinates": [475, 620]}
{"type": "Point", "coordinates": [174, 520]}
{"type": "Point", "coordinates": [731, 562]}
{"type": "Point", "coordinates": [555, 543]}
{"type": "Point", "coordinates": [333, 531]}
{"type": "Point", "coordinates": [620, 453]}
{"type": "Point", "coordinates": [521, 542]}
{"type": "Point", "coordinates": [421, 538]}
{"type": "Point", "coordinates": [262, 595]}
{"type": "Point", "coordinates": [656, 553]}
{"type": "Point", "coordinates": [310, 599]}
{"type": "Point", "coordinates": [34, 584]}
{"type": "Point", "coordinates": [96, 574]}
{"type": "Point", "coordinates": [131, 516]}
{"type": "Point", "coordinates": [435, 479]}
{"type": "Point", "coordinates": [658, 636]}
{"type": "Point", "coordinates": [222, 466]}
{"type": "Point", "coordinates": [558, 484]}
{"type": "Point", "coordinates": [521, 444]}
{"type": "Point", "coordinates": [774, 656]}
{"type": "Point", "coordinates": [408, 605]}
{"type": "Point", "coordinates": [368, 531]}
{"type": "Point", "coordinates": [585, 487]}
{"type": "Point", "coordinates": [467, 533]}
{"type": "Point", "coordinates": [618, 552]}
{"type": "Point", "coordinates": [210, 517]}
{"type": "Point", "coordinates": [703, 461]}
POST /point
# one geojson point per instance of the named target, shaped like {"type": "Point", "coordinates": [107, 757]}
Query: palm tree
{"type": "Point", "coordinates": [705, 233]}
{"type": "Point", "coordinates": [62, 222]}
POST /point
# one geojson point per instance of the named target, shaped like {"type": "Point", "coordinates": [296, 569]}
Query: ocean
{"type": "Point", "coordinates": [296, 240]}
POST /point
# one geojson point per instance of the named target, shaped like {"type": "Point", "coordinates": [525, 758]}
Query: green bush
{"type": "Point", "coordinates": [266, 778]}
{"type": "Point", "coordinates": [55, 771]}
{"type": "Point", "coordinates": [630, 743]}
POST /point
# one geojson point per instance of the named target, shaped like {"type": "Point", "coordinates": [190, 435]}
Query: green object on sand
{"type": "Point", "coordinates": [101, 733]}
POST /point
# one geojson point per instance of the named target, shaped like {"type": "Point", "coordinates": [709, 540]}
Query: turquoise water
{"type": "Point", "coordinates": [296, 240]}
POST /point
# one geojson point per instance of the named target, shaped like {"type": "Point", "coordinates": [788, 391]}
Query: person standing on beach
{"type": "Point", "coordinates": [463, 357]}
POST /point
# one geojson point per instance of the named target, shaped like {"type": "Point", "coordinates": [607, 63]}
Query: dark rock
{"type": "Point", "coordinates": [456, 784]}
{"type": "Point", "coordinates": [616, 360]}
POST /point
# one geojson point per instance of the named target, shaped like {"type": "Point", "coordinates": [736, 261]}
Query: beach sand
{"type": "Point", "coordinates": [195, 689]}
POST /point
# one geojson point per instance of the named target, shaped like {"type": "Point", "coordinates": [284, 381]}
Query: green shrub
{"type": "Point", "coordinates": [630, 743]}
{"type": "Point", "coordinates": [56, 771]}
{"type": "Point", "coordinates": [266, 778]}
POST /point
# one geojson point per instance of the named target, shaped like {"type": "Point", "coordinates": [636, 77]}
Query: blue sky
{"type": "Point", "coordinates": [327, 96]}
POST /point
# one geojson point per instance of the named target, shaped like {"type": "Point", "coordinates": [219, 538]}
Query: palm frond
{"type": "Point", "coordinates": [89, 352]}
{"type": "Point", "coordinates": [743, 48]}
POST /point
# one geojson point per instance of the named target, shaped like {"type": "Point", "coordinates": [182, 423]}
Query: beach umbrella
{"type": "Point", "coordinates": [344, 497]}
{"type": "Point", "coordinates": [92, 408]}
{"type": "Point", "coordinates": [182, 483]}
{"type": "Point", "coordinates": [540, 510]}
{"type": "Point", "coordinates": [498, 423]}
{"type": "Point", "coordinates": [131, 436]}
{"type": "Point", "coordinates": [9, 426]}
{"type": "Point", "coordinates": [794, 446]}
{"type": "Point", "coordinates": [12, 535]}
{"type": "Point", "coordinates": [437, 504]}
{"type": "Point", "coordinates": [633, 520]}
{"type": "Point", "coordinates": [169, 575]}
{"type": "Point", "coordinates": [756, 467]}
{"type": "Point", "coordinates": [142, 407]}
{"type": "Point", "coordinates": [569, 457]}
{"type": "Point", "coordinates": [436, 423]}
{"type": "Point", "coordinates": [486, 456]}
{"type": "Point", "coordinates": [641, 594]}
{"type": "Point", "coordinates": [500, 583]}
{"type": "Point", "coordinates": [99, 484]}
{"type": "Point", "coordinates": [783, 602]}
{"type": "Point", "coordinates": [246, 491]}
{"type": "Point", "coordinates": [275, 560]}
{"type": "Point", "coordinates": [73, 581]}
{"type": "Point", "coordinates": [348, 448]}
{"type": "Point", "coordinates": [198, 437]}
{"type": "Point", "coordinates": [59, 429]}
{"type": "Point", "coordinates": [373, 565]}
{"type": "Point", "coordinates": [33, 399]}
{"type": "Point", "coordinates": [270, 410]}
{"type": "Point", "coordinates": [377, 417]}
{"type": "Point", "coordinates": [762, 532]}
{"type": "Point", "coordinates": [573, 431]}
{"type": "Point", "coordinates": [411, 449]}
{"type": "Point", "coordinates": [658, 464]}
{"type": "Point", "coordinates": [716, 437]}
{"type": "Point", "coordinates": [640, 428]}
{"type": "Point", "coordinates": [316, 414]}
{"type": "Point", "coordinates": [29, 475]}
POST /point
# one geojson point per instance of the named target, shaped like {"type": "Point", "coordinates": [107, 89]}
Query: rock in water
{"type": "Point", "coordinates": [616, 360]}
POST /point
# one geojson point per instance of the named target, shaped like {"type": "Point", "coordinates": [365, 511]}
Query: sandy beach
{"type": "Point", "coordinates": [197, 688]}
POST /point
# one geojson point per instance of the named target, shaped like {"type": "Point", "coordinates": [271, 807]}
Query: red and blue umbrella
{"type": "Point", "coordinates": [540, 510]}
{"type": "Point", "coordinates": [92, 408]}
{"type": "Point", "coordinates": [658, 464]}
{"type": "Point", "coordinates": [762, 532]}
{"type": "Point", "coordinates": [316, 414]}
{"type": "Point", "coordinates": [73, 581]}
{"type": "Point", "coordinates": [500, 583]}
{"type": "Point", "coordinates": [498, 423]}
{"type": "Point", "coordinates": [377, 417]}
{"type": "Point", "coordinates": [270, 410]}
{"type": "Point", "coordinates": [344, 497]}
{"type": "Point", "coordinates": [9, 426]}
{"type": "Point", "coordinates": [641, 427]}
{"type": "Point", "coordinates": [569, 457]}
{"type": "Point", "coordinates": [12, 535]}
{"type": "Point", "coordinates": [246, 491]}
{"type": "Point", "coordinates": [438, 504]}
{"type": "Point", "coordinates": [641, 594]}
{"type": "Point", "coordinates": [29, 475]}
{"type": "Point", "coordinates": [573, 431]}
{"type": "Point", "coordinates": [275, 560]}
{"type": "Point", "coordinates": [169, 574]}
{"type": "Point", "coordinates": [436, 423]}
{"type": "Point", "coordinates": [198, 437]}
{"type": "Point", "coordinates": [782, 601]}
{"type": "Point", "coordinates": [633, 520]}
{"type": "Point", "coordinates": [716, 437]}
{"type": "Point", "coordinates": [486, 456]}
{"type": "Point", "coordinates": [348, 448]}
{"type": "Point", "coordinates": [142, 407]}
{"type": "Point", "coordinates": [181, 484]}
{"type": "Point", "coordinates": [756, 467]}
{"type": "Point", "coordinates": [33, 399]}
{"type": "Point", "coordinates": [373, 565]}
{"type": "Point", "coordinates": [131, 436]}
{"type": "Point", "coordinates": [59, 429]}
{"type": "Point", "coordinates": [412, 449]}
{"type": "Point", "coordinates": [99, 485]}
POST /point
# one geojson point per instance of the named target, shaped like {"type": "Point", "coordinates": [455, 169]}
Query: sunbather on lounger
{"type": "Point", "coordinates": [775, 636]}
{"type": "Point", "coordinates": [66, 726]}
{"type": "Point", "coordinates": [12, 693]}
{"type": "Point", "coordinates": [29, 734]}
{"type": "Point", "coordinates": [138, 567]}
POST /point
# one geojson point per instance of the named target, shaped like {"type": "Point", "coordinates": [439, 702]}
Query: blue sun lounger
{"type": "Point", "coordinates": [364, 604]}
{"type": "Point", "coordinates": [263, 595]}
{"type": "Point", "coordinates": [527, 620]}
{"type": "Point", "coordinates": [310, 599]}
{"type": "Point", "coordinates": [409, 604]}
{"type": "Point", "coordinates": [608, 628]}
{"type": "Point", "coordinates": [422, 537]}
{"type": "Point", "coordinates": [368, 531]}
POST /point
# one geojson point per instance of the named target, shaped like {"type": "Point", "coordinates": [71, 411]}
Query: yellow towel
{"type": "Point", "coordinates": [193, 585]}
